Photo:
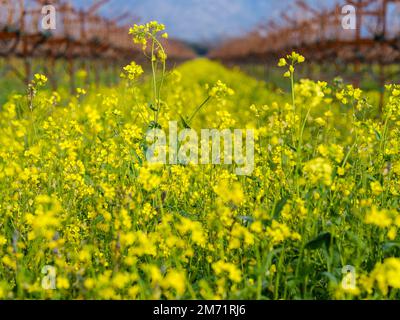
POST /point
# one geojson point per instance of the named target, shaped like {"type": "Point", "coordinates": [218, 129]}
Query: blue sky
{"type": "Point", "coordinates": [200, 20]}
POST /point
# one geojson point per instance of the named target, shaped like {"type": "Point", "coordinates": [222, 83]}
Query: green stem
{"type": "Point", "coordinates": [279, 269]}
{"type": "Point", "coordinates": [198, 109]}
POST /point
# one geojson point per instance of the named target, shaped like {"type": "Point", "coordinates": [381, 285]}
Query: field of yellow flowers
{"type": "Point", "coordinates": [77, 195]}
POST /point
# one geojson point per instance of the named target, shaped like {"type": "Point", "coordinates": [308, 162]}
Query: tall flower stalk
{"type": "Point", "coordinates": [291, 61]}
{"type": "Point", "coordinates": [148, 35]}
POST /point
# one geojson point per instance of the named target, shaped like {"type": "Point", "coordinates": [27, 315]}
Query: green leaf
{"type": "Point", "coordinates": [391, 244]}
{"type": "Point", "coordinates": [184, 123]}
{"type": "Point", "coordinates": [152, 107]}
{"type": "Point", "coordinates": [279, 207]}
{"type": "Point", "coordinates": [322, 241]}
{"type": "Point", "coordinates": [291, 147]}
{"type": "Point", "coordinates": [378, 135]}
{"type": "Point", "coordinates": [154, 125]}
{"type": "Point", "coordinates": [331, 277]}
{"type": "Point", "coordinates": [98, 219]}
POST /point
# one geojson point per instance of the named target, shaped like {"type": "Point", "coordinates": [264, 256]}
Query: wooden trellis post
{"type": "Point", "coordinates": [80, 35]}
{"type": "Point", "coordinates": [319, 35]}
